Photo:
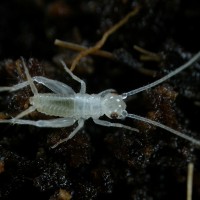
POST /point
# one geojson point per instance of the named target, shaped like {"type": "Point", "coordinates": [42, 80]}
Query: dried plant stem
{"type": "Point", "coordinates": [77, 47]}
{"type": "Point", "coordinates": [190, 180]}
{"type": "Point", "coordinates": [147, 55]}
{"type": "Point", "coordinates": [105, 36]}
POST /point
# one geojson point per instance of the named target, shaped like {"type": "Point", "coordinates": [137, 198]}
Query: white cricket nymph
{"type": "Point", "coordinates": [70, 107]}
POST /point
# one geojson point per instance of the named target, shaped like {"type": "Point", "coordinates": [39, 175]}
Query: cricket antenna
{"type": "Point", "coordinates": [154, 123]}
{"type": "Point", "coordinates": [194, 59]}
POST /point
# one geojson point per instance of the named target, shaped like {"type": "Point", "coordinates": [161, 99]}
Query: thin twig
{"type": "Point", "coordinates": [147, 55]}
{"type": "Point", "coordinates": [190, 180]}
{"type": "Point", "coordinates": [105, 36]}
{"type": "Point", "coordinates": [77, 47]}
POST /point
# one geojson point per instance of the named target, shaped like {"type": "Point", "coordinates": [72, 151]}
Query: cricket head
{"type": "Point", "coordinates": [114, 106]}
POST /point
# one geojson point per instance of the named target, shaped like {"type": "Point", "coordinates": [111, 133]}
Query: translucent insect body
{"type": "Point", "coordinates": [72, 107]}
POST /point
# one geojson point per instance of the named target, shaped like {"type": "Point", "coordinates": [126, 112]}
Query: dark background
{"type": "Point", "coordinates": [100, 162]}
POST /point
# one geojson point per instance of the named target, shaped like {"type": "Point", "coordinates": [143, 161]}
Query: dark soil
{"type": "Point", "coordinates": [101, 162]}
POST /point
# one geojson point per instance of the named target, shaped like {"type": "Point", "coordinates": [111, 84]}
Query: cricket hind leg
{"type": "Point", "coordinates": [54, 85]}
{"type": "Point", "coordinates": [25, 112]}
{"type": "Point", "coordinates": [20, 86]}
{"type": "Point", "coordinates": [51, 123]}
{"type": "Point", "coordinates": [14, 87]}
{"type": "Point", "coordinates": [29, 79]}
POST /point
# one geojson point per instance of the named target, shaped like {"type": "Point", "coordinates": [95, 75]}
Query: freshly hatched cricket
{"type": "Point", "coordinates": [72, 107]}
